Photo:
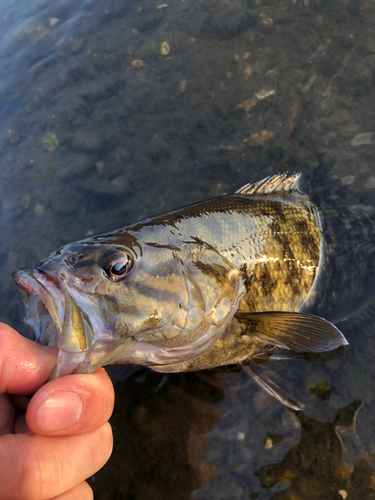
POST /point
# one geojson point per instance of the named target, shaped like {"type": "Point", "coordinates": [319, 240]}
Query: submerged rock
{"type": "Point", "coordinates": [50, 142]}
{"type": "Point", "coordinates": [76, 167]}
{"type": "Point", "coordinates": [88, 141]}
{"type": "Point", "coordinates": [165, 49]}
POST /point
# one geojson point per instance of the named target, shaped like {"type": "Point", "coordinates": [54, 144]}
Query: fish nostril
{"type": "Point", "coordinates": [42, 267]}
{"type": "Point", "coordinates": [71, 261]}
{"type": "Point", "coordinates": [48, 276]}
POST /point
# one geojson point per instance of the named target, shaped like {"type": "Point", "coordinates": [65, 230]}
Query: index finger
{"type": "Point", "coordinates": [24, 365]}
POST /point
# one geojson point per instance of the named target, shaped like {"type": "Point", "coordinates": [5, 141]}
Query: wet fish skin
{"type": "Point", "coordinates": [197, 276]}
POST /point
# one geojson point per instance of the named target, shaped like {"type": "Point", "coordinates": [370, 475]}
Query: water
{"type": "Point", "coordinates": [93, 139]}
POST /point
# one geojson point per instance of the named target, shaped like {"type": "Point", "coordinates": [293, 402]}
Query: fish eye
{"type": "Point", "coordinates": [119, 266]}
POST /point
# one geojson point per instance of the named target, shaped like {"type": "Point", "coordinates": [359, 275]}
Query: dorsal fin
{"type": "Point", "coordinates": [272, 184]}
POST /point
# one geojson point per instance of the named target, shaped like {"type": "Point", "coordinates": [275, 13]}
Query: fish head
{"type": "Point", "coordinates": [95, 299]}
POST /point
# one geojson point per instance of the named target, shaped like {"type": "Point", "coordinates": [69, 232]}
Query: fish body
{"type": "Point", "coordinates": [210, 284]}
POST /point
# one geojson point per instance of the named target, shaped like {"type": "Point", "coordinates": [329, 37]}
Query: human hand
{"type": "Point", "coordinates": [50, 444]}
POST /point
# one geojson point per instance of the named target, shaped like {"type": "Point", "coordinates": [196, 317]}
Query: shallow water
{"type": "Point", "coordinates": [102, 124]}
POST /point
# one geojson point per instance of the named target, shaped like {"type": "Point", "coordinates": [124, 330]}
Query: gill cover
{"type": "Point", "coordinates": [209, 287]}
{"type": "Point", "coordinates": [178, 299]}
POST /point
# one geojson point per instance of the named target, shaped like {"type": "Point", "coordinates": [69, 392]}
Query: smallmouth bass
{"type": "Point", "coordinates": [219, 282]}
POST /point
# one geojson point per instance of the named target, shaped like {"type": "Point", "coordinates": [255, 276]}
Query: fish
{"type": "Point", "coordinates": [227, 281]}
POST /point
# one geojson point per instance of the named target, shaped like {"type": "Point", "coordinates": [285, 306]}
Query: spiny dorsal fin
{"type": "Point", "coordinates": [272, 184]}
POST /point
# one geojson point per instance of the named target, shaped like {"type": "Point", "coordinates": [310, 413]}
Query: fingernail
{"type": "Point", "coordinates": [61, 411]}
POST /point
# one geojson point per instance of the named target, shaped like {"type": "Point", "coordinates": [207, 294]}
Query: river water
{"type": "Point", "coordinates": [111, 111]}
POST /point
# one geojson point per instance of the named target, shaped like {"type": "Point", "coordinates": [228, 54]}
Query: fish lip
{"type": "Point", "coordinates": [34, 282]}
{"type": "Point", "coordinates": [37, 286]}
{"type": "Point", "coordinates": [73, 332]}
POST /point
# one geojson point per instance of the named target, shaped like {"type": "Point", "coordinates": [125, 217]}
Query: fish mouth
{"type": "Point", "coordinates": [55, 319]}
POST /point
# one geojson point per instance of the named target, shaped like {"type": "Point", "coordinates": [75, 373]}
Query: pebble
{"type": "Point", "coordinates": [250, 35]}
{"type": "Point", "coordinates": [261, 400]}
{"type": "Point", "coordinates": [75, 167]}
{"type": "Point", "coordinates": [240, 436]}
{"type": "Point", "coordinates": [39, 209]}
{"type": "Point", "coordinates": [248, 104]}
{"type": "Point", "coordinates": [264, 94]}
{"type": "Point", "coordinates": [363, 168]}
{"type": "Point", "coordinates": [265, 21]}
{"type": "Point", "coordinates": [290, 419]}
{"type": "Point", "coordinates": [272, 73]}
{"type": "Point", "coordinates": [33, 28]}
{"type": "Point", "coordinates": [165, 49]}
{"type": "Point", "coordinates": [25, 201]}
{"type": "Point", "coordinates": [100, 166]}
{"type": "Point", "coordinates": [76, 45]}
{"type": "Point", "coordinates": [52, 21]}
{"type": "Point", "coordinates": [12, 136]}
{"type": "Point", "coordinates": [162, 6]}
{"type": "Point", "coordinates": [182, 86]}
{"type": "Point", "coordinates": [138, 63]}
{"type": "Point", "coordinates": [50, 142]}
{"type": "Point", "coordinates": [258, 96]}
{"type": "Point", "coordinates": [248, 71]}
{"type": "Point", "coordinates": [370, 184]}
{"type": "Point", "coordinates": [120, 153]}
{"type": "Point", "coordinates": [366, 138]}
{"type": "Point", "coordinates": [119, 185]}
{"type": "Point", "coordinates": [259, 138]}
{"type": "Point", "coordinates": [343, 494]}
{"type": "Point", "coordinates": [268, 443]}
{"type": "Point", "coordinates": [349, 179]}
{"type": "Point", "coordinates": [322, 390]}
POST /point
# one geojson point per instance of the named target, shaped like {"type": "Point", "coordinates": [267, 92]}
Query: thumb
{"type": "Point", "coordinates": [24, 365]}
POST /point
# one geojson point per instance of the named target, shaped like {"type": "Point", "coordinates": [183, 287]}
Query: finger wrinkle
{"type": "Point", "coordinates": [39, 468]}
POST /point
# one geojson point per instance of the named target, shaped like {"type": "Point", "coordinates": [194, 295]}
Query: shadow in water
{"type": "Point", "coordinates": [160, 425]}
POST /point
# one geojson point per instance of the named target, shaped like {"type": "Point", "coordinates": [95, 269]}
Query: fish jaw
{"type": "Point", "coordinates": [55, 319]}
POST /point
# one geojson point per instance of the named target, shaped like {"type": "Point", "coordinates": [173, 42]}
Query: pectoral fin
{"type": "Point", "coordinates": [293, 331]}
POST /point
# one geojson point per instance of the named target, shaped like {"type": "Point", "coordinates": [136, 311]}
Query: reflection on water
{"type": "Point", "coordinates": [112, 111]}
